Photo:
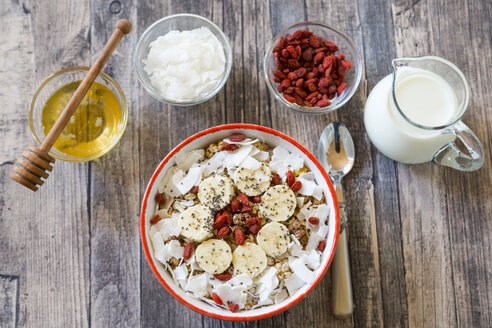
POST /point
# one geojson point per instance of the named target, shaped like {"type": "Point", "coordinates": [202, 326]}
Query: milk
{"type": "Point", "coordinates": [426, 99]}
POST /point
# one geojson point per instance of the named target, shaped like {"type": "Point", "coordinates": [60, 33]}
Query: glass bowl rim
{"type": "Point", "coordinates": [188, 102]}
{"type": "Point", "coordinates": [124, 111]}
{"type": "Point", "coordinates": [305, 109]}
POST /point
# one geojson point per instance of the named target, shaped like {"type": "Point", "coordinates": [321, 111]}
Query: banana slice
{"type": "Point", "coordinates": [216, 192]}
{"type": "Point", "coordinates": [213, 256]}
{"type": "Point", "coordinates": [273, 238]}
{"type": "Point", "coordinates": [278, 203]}
{"type": "Point", "coordinates": [250, 259]}
{"type": "Point", "coordinates": [253, 183]}
{"type": "Point", "coordinates": [196, 223]}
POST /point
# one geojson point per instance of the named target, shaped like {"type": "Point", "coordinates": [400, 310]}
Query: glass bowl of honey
{"type": "Point", "coordinates": [96, 126]}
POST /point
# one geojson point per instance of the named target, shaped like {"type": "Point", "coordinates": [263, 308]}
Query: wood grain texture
{"type": "Point", "coordinates": [114, 238]}
{"type": "Point", "coordinates": [9, 302]}
{"type": "Point", "coordinates": [420, 235]}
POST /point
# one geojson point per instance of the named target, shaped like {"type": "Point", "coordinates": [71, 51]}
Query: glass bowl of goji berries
{"type": "Point", "coordinates": [312, 67]}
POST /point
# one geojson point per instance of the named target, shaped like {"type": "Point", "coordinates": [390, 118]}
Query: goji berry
{"type": "Point", "coordinates": [194, 190]}
{"type": "Point", "coordinates": [279, 74]}
{"type": "Point", "coordinates": [233, 307]}
{"type": "Point", "coordinates": [160, 199]}
{"type": "Point", "coordinates": [323, 103]}
{"type": "Point", "coordinates": [188, 251]}
{"type": "Point", "coordinates": [254, 229]}
{"type": "Point", "coordinates": [235, 205]}
{"type": "Point", "coordinates": [256, 199]}
{"type": "Point", "coordinates": [238, 137]}
{"type": "Point", "coordinates": [252, 220]}
{"type": "Point", "coordinates": [239, 236]}
{"type": "Point", "coordinates": [224, 231]}
{"type": "Point", "coordinates": [296, 186]}
{"type": "Point", "coordinates": [330, 46]}
{"type": "Point", "coordinates": [322, 245]}
{"type": "Point", "coordinates": [276, 179]}
{"type": "Point", "coordinates": [290, 178]}
{"type": "Point", "coordinates": [313, 220]}
{"type": "Point", "coordinates": [243, 198]}
{"type": "Point", "coordinates": [220, 221]}
{"type": "Point", "coordinates": [155, 219]}
{"type": "Point", "coordinates": [230, 147]}
{"type": "Point", "coordinates": [340, 88]}
{"type": "Point", "coordinates": [217, 299]}
{"type": "Point", "coordinates": [245, 209]}
{"type": "Point", "coordinates": [223, 276]}
{"type": "Point", "coordinates": [289, 98]}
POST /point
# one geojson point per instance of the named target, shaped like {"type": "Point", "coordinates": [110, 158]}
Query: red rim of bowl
{"type": "Point", "coordinates": [233, 317]}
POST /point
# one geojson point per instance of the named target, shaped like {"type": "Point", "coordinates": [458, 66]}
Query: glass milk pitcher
{"type": "Point", "coordinates": [414, 115]}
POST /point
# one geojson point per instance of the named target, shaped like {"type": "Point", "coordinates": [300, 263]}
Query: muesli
{"type": "Point", "coordinates": [240, 224]}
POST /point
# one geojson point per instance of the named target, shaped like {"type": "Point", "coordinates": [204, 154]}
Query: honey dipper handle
{"type": "Point", "coordinates": [123, 27]}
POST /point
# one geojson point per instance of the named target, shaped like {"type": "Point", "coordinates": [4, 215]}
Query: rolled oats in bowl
{"type": "Point", "coordinates": [239, 224]}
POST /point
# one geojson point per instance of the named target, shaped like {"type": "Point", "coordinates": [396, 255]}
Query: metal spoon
{"type": "Point", "coordinates": [336, 154]}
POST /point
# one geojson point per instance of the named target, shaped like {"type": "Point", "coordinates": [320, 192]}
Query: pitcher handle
{"type": "Point", "coordinates": [451, 156]}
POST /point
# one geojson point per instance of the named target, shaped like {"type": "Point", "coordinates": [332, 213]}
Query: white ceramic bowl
{"type": "Point", "coordinates": [201, 140]}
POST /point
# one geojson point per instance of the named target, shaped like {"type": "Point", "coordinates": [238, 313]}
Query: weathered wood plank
{"type": "Point", "coordinates": [469, 196]}
{"type": "Point", "coordinates": [114, 186]}
{"type": "Point", "coordinates": [14, 129]}
{"type": "Point", "coordinates": [359, 193]}
{"type": "Point", "coordinates": [162, 127]}
{"type": "Point", "coordinates": [423, 212]}
{"type": "Point", "coordinates": [9, 300]}
{"type": "Point", "coordinates": [47, 247]}
{"type": "Point", "coordinates": [379, 50]}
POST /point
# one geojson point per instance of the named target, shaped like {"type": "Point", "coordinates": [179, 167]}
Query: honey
{"type": "Point", "coordinates": [94, 125]}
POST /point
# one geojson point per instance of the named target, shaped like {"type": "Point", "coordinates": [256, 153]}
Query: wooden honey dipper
{"type": "Point", "coordinates": [35, 162]}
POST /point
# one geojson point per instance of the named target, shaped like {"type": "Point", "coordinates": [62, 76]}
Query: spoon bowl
{"type": "Point", "coordinates": [336, 150]}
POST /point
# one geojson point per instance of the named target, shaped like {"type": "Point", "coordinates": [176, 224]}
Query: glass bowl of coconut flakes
{"type": "Point", "coordinates": [183, 59]}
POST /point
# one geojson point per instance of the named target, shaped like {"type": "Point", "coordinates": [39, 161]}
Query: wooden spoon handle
{"type": "Point", "coordinates": [123, 27]}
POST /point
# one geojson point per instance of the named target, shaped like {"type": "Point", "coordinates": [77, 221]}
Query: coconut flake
{"type": "Point", "coordinates": [267, 282]}
{"type": "Point", "coordinates": [312, 259]}
{"type": "Point", "coordinates": [162, 213]}
{"type": "Point", "coordinates": [184, 160]}
{"type": "Point", "coordinates": [261, 155]}
{"type": "Point", "coordinates": [181, 272]}
{"type": "Point", "coordinates": [185, 183]}
{"type": "Point", "coordinates": [322, 213]}
{"type": "Point", "coordinates": [235, 295]}
{"type": "Point", "coordinates": [310, 188]}
{"type": "Point", "coordinates": [280, 296]}
{"type": "Point", "coordinates": [283, 161]}
{"type": "Point", "coordinates": [245, 142]}
{"type": "Point", "coordinates": [299, 268]}
{"type": "Point", "coordinates": [242, 279]}
{"type": "Point", "coordinates": [197, 285]}
{"type": "Point", "coordinates": [251, 164]}
{"type": "Point", "coordinates": [157, 243]}
{"type": "Point", "coordinates": [235, 158]}
{"type": "Point", "coordinates": [300, 201]}
{"type": "Point", "coordinates": [293, 283]}
{"type": "Point", "coordinates": [295, 247]}
{"type": "Point", "coordinates": [167, 185]}
{"type": "Point", "coordinates": [213, 163]}
{"type": "Point", "coordinates": [316, 236]}
{"type": "Point", "coordinates": [308, 176]}
{"type": "Point", "coordinates": [167, 228]}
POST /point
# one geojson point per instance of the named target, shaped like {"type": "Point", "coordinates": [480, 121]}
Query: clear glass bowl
{"type": "Point", "coordinates": [352, 77]}
{"type": "Point", "coordinates": [52, 84]}
{"type": "Point", "coordinates": [181, 22]}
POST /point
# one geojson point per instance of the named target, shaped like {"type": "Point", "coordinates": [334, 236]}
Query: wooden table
{"type": "Point", "coordinates": [420, 236]}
